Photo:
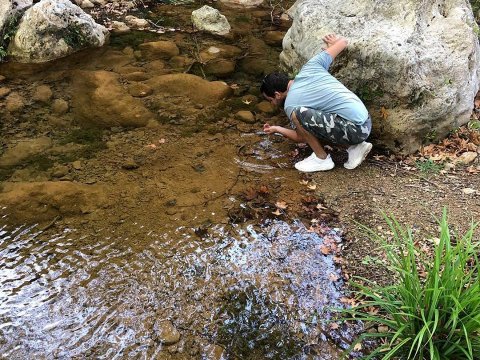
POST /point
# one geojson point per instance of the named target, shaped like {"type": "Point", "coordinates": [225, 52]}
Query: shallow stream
{"type": "Point", "coordinates": [167, 241]}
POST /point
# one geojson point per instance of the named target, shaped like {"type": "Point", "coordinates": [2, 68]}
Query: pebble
{"type": "Point", "coordinates": [77, 165]}
{"type": "Point", "coordinates": [4, 91]}
{"type": "Point", "coordinates": [166, 333]}
{"type": "Point", "coordinates": [59, 106]}
{"type": "Point", "coordinates": [130, 164]}
{"type": "Point", "coordinates": [245, 116]}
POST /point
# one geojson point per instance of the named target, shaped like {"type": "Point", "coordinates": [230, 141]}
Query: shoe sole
{"type": "Point", "coordinates": [370, 146]}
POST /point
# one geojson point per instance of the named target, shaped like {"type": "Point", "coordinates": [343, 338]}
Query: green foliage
{"type": "Point", "coordinates": [428, 166]}
{"type": "Point", "coordinates": [74, 37]}
{"type": "Point", "coordinates": [432, 308]}
{"type": "Point", "coordinates": [7, 33]}
{"type": "Point", "coordinates": [474, 125]}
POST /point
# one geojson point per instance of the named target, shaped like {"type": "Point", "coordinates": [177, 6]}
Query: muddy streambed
{"type": "Point", "coordinates": [169, 232]}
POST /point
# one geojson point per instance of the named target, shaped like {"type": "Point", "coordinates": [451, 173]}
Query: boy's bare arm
{"type": "Point", "coordinates": [288, 133]}
{"type": "Point", "coordinates": [335, 44]}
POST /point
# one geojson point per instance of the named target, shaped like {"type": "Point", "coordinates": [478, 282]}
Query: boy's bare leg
{"type": "Point", "coordinates": [310, 139]}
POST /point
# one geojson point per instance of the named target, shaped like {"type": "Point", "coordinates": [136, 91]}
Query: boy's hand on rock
{"type": "Point", "coordinates": [331, 39]}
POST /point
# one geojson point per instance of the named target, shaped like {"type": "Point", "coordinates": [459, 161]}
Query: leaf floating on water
{"type": "Point", "coordinates": [247, 102]}
{"type": "Point", "coordinates": [151, 146]}
{"type": "Point", "coordinates": [277, 212]}
{"type": "Point", "coordinates": [334, 326]}
{"type": "Point", "coordinates": [325, 250]}
{"type": "Point", "coordinates": [333, 277]}
{"type": "Point", "coordinates": [281, 205]}
{"type": "Point", "coordinates": [312, 187]}
{"type": "Point", "coordinates": [303, 182]}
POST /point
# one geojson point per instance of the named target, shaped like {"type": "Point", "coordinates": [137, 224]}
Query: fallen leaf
{"type": "Point", "coordinates": [161, 141]}
{"type": "Point", "coordinates": [250, 194]}
{"type": "Point", "coordinates": [263, 189]}
{"type": "Point", "coordinates": [303, 182]}
{"type": "Point", "coordinates": [357, 347]}
{"type": "Point", "coordinates": [281, 205]}
{"type": "Point", "coordinates": [247, 102]}
{"type": "Point", "coordinates": [151, 146]}
{"type": "Point", "coordinates": [277, 212]}
{"type": "Point", "coordinates": [333, 277]}
{"type": "Point", "coordinates": [334, 326]}
{"type": "Point", "coordinates": [384, 113]}
{"type": "Point", "coordinates": [312, 187]}
{"type": "Point", "coordinates": [325, 250]}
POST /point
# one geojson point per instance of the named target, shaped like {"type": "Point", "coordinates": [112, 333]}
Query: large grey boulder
{"type": "Point", "coordinates": [414, 63]}
{"type": "Point", "coordinates": [210, 20]}
{"type": "Point", "coordinates": [9, 10]}
{"type": "Point", "coordinates": [52, 29]}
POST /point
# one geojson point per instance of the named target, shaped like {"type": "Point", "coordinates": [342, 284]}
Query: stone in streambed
{"type": "Point", "coordinates": [166, 333]}
{"type": "Point", "coordinates": [245, 116]}
{"type": "Point", "coordinates": [159, 50]}
{"type": "Point", "coordinates": [42, 94]}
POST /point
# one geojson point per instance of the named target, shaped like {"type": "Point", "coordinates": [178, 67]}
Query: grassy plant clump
{"type": "Point", "coordinates": [432, 308]}
{"type": "Point", "coordinates": [7, 33]}
{"type": "Point", "coordinates": [428, 166]}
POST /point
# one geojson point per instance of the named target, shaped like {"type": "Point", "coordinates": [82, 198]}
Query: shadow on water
{"type": "Point", "coordinates": [251, 292]}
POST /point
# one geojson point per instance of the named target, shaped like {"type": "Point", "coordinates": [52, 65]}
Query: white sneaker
{"type": "Point", "coordinates": [356, 154]}
{"type": "Point", "coordinates": [313, 163]}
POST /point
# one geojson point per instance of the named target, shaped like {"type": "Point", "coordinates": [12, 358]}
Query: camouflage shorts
{"type": "Point", "coordinates": [331, 128]}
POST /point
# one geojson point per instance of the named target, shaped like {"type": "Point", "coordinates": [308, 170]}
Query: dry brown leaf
{"type": "Point", "coordinates": [325, 250]}
{"type": "Point", "coordinates": [281, 205]}
{"type": "Point", "coordinates": [277, 212]}
{"type": "Point", "coordinates": [312, 187]}
{"type": "Point", "coordinates": [384, 113]}
{"type": "Point", "coordinates": [263, 189]}
{"type": "Point", "coordinates": [334, 326]}
{"type": "Point", "coordinates": [303, 182]}
{"type": "Point", "coordinates": [333, 277]}
{"type": "Point", "coordinates": [357, 347]}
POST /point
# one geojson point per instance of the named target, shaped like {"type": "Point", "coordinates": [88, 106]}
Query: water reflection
{"type": "Point", "coordinates": [256, 292]}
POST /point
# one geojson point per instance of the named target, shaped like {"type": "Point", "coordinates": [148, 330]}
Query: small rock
{"type": "Point", "coordinates": [136, 23]}
{"type": "Point", "coordinates": [119, 27]}
{"type": "Point", "coordinates": [43, 94]}
{"type": "Point", "coordinates": [469, 191]}
{"type": "Point", "coordinates": [87, 4]}
{"type": "Point", "coordinates": [274, 38]}
{"type": "Point", "coordinates": [77, 165]}
{"type": "Point", "coordinates": [159, 50]}
{"type": "Point", "coordinates": [139, 90]}
{"type": "Point", "coordinates": [265, 107]}
{"type": "Point", "coordinates": [467, 157]}
{"type": "Point", "coordinates": [210, 20]}
{"type": "Point", "coordinates": [59, 106]}
{"type": "Point", "coordinates": [167, 334]}
{"type": "Point", "coordinates": [130, 164]}
{"type": "Point", "coordinates": [220, 68]}
{"type": "Point", "coordinates": [60, 171]}
{"type": "Point", "coordinates": [245, 116]}
{"type": "Point", "coordinates": [15, 102]}
{"type": "Point", "coordinates": [136, 76]}
{"type": "Point", "coordinates": [213, 352]}
{"type": "Point", "coordinates": [4, 91]}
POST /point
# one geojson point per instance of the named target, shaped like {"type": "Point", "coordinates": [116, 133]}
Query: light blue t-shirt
{"type": "Point", "coordinates": [314, 87]}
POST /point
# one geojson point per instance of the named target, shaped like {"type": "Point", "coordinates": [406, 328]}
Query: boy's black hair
{"type": "Point", "coordinates": [272, 82]}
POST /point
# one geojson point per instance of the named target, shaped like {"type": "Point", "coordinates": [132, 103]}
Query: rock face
{"type": "Point", "coordinates": [43, 201]}
{"type": "Point", "coordinates": [197, 89]}
{"type": "Point", "coordinates": [415, 64]}
{"type": "Point", "coordinates": [210, 20]}
{"type": "Point", "coordinates": [99, 99]}
{"type": "Point", "coordinates": [52, 29]}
